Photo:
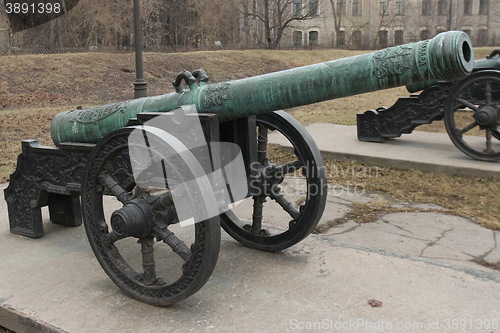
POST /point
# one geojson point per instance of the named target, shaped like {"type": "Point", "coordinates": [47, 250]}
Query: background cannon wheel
{"type": "Point", "coordinates": [472, 111]}
{"type": "Point", "coordinates": [292, 189]}
{"type": "Point", "coordinates": [158, 274]}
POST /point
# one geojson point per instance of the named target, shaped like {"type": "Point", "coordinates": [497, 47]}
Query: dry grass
{"type": "Point", "coordinates": [19, 124]}
{"type": "Point", "coordinates": [34, 88]}
{"type": "Point", "coordinates": [475, 198]}
{"type": "Point", "coordinates": [343, 111]}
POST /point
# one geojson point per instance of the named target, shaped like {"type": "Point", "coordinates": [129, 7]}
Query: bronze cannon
{"type": "Point", "coordinates": [470, 108]}
{"type": "Point", "coordinates": [119, 208]}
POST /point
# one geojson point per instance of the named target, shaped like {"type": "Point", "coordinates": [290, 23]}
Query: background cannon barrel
{"type": "Point", "coordinates": [447, 57]}
{"type": "Point", "coordinates": [490, 62]}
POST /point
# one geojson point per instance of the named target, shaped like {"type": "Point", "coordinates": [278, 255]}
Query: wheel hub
{"type": "Point", "coordinates": [487, 116]}
{"type": "Point", "coordinates": [134, 219]}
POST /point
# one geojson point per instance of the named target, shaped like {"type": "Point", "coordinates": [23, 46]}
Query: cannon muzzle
{"type": "Point", "coordinates": [446, 57]}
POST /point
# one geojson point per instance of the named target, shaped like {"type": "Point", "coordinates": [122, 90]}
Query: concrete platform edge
{"type": "Point", "coordinates": [17, 321]}
{"type": "Point", "coordinates": [405, 165]}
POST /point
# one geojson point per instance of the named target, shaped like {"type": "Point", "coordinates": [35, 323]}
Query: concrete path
{"type": "Point", "coordinates": [420, 150]}
{"type": "Point", "coordinates": [430, 271]}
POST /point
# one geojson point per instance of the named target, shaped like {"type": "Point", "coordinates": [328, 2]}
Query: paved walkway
{"type": "Point", "coordinates": [420, 150]}
{"type": "Point", "coordinates": [431, 271]}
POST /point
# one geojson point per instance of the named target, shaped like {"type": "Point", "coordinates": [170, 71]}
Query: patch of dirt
{"type": "Point", "coordinates": [484, 263]}
{"type": "Point", "coordinates": [30, 99]}
{"type": "Point", "coordinates": [96, 78]}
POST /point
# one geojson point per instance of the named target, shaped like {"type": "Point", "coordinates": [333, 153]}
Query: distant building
{"type": "Point", "coordinates": [367, 24]}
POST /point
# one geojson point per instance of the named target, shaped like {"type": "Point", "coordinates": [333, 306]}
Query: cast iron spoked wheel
{"type": "Point", "coordinates": [472, 115]}
{"type": "Point", "coordinates": [288, 187]}
{"type": "Point", "coordinates": [123, 222]}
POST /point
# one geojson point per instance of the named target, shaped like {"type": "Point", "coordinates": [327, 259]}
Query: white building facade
{"type": "Point", "coordinates": [368, 24]}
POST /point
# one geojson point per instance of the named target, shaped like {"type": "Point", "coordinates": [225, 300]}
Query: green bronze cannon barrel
{"type": "Point", "coordinates": [490, 62]}
{"type": "Point", "coordinates": [447, 57]}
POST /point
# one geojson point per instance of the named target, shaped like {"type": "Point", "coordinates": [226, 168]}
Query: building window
{"type": "Point", "coordinates": [399, 37]}
{"type": "Point", "coordinates": [356, 8]}
{"type": "Point", "coordinates": [356, 39]}
{"type": "Point", "coordinates": [341, 39]}
{"type": "Point", "coordinates": [483, 37]}
{"type": "Point", "coordinates": [484, 7]}
{"type": "Point", "coordinates": [313, 38]}
{"type": "Point", "coordinates": [426, 7]}
{"type": "Point", "coordinates": [425, 34]}
{"type": "Point", "coordinates": [341, 7]}
{"type": "Point", "coordinates": [313, 8]}
{"type": "Point", "coordinates": [297, 8]}
{"type": "Point", "coordinates": [442, 7]}
{"type": "Point", "coordinates": [383, 37]}
{"type": "Point", "coordinates": [400, 7]}
{"type": "Point", "coordinates": [384, 7]}
{"type": "Point", "coordinates": [297, 38]}
{"type": "Point", "coordinates": [467, 7]}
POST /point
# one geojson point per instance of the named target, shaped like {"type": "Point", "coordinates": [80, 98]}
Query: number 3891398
{"type": "Point", "coordinates": [32, 8]}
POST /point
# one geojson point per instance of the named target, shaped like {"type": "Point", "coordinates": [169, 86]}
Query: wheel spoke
{"type": "Point", "coordinates": [257, 214]}
{"type": "Point", "coordinates": [468, 104]}
{"type": "Point", "coordinates": [467, 128]}
{"type": "Point", "coordinates": [262, 140]}
{"type": "Point", "coordinates": [496, 133]}
{"type": "Point", "coordinates": [289, 167]}
{"type": "Point", "coordinates": [488, 92]}
{"type": "Point", "coordinates": [176, 244]}
{"type": "Point", "coordinates": [114, 188]}
{"type": "Point", "coordinates": [488, 150]}
{"type": "Point", "coordinates": [148, 260]}
{"type": "Point", "coordinates": [110, 238]}
{"type": "Point", "coordinates": [285, 204]}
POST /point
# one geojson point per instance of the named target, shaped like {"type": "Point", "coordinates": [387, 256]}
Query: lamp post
{"type": "Point", "coordinates": [140, 85]}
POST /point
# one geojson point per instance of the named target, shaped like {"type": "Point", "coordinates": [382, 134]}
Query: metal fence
{"type": "Point", "coordinates": [23, 50]}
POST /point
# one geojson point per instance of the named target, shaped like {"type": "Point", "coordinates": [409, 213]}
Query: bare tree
{"type": "Point", "coordinates": [272, 17]}
{"type": "Point", "coordinates": [217, 20]}
{"type": "Point", "coordinates": [90, 23]}
{"type": "Point", "coordinates": [338, 11]}
{"type": "Point", "coordinates": [178, 19]}
{"type": "Point", "coordinates": [153, 22]}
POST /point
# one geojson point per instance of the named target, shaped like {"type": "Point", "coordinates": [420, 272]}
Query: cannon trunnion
{"type": "Point", "coordinates": [138, 228]}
